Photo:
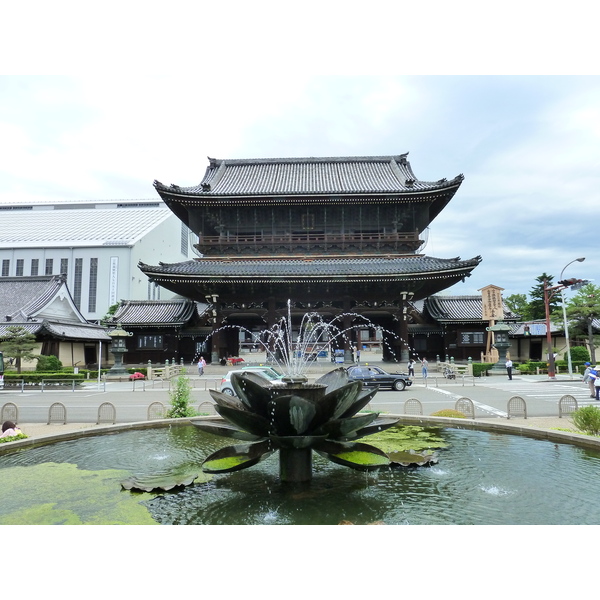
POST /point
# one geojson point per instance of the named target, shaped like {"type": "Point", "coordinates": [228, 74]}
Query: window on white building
{"type": "Point", "coordinates": [77, 282]}
{"type": "Point", "coordinates": [93, 284]}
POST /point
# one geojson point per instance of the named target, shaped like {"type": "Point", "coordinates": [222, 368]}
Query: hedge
{"type": "Point", "coordinates": [480, 369]}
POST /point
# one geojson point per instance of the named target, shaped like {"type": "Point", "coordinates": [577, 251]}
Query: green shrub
{"type": "Point", "coordinates": [587, 419]}
{"type": "Point", "coordinates": [449, 412]}
{"type": "Point", "coordinates": [480, 369]}
{"type": "Point", "coordinates": [35, 378]}
{"type": "Point", "coordinates": [180, 400]}
{"type": "Point", "coordinates": [580, 354]}
{"type": "Point", "coordinates": [47, 364]}
{"type": "Point", "coordinates": [13, 438]}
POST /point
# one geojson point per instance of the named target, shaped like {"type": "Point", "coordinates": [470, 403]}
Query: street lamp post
{"type": "Point", "coordinates": [547, 297]}
{"type": "Point", "coordinates": [566, 326]}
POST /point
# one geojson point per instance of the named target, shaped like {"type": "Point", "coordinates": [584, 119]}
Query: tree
{"type": "Point", "coordinates": [536, 305]}
{"type": "Point", "coordinates": [581, 310]}
{"type": "Point", "coordinates": [18, 343]}
{"type": "Point", "coordinates": [110, 313]}
{"type": "Point", "coordinates": [517, 303]}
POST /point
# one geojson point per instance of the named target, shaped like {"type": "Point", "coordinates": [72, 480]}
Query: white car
{"type": "Point", "coordinates": [267, 373]}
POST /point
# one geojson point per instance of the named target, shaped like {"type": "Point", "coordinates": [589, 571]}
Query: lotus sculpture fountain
{"type": "Point", "coordinates": [295, 420]}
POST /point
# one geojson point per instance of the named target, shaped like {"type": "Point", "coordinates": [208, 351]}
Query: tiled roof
{"type": "Point", "coordinates": [77, 331]}
{"type": "Point", "coordinates": [463, 309]}
{"type": "Point", "coordinates": [78, 227]}
{"type": "Point", "coordinates": [67, 331]}
{"type": "Point", "coordinates": [292, 176]}
{"type": "Point", "coordinates": [287, 269]}
{"type": "Point", "coordinates": [23, 297]}
{"type": "Point", "coordinates": [165, 312]}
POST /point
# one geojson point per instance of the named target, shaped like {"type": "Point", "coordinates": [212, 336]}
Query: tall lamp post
{"type": "Point", "coordinates": [562, 297]}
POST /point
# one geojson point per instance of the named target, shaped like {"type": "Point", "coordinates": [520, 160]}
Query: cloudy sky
{"type": "Point", "coordinates": [528, 144]}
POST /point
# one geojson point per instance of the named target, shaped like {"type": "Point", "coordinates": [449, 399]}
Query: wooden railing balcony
{"type": "Point", "coordinates": [310, 239]}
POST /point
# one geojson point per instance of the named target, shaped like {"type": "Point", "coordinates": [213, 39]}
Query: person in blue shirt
{"type": "Point", "coordinates": [589, 378]}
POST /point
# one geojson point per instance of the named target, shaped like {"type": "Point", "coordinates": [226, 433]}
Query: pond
{"type": "Point", "coordinates": [482, 478]}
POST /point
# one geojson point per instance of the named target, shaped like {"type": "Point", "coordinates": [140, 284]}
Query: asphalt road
{"type": "Point", "coordinates": [490, 396]}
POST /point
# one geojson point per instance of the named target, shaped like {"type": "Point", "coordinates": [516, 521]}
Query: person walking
{"type": "Point", "coordinates": [588, 379]}
{"type": "Point", "coordinates": [509, 367]}
{"type": "Point", "coordinates": [201, 365]}
{"type": "Point", "coordinates": [597, 384]}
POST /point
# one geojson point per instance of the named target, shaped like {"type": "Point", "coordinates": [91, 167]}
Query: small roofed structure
{"type": "Point", "coordinates": [454, 327]}
{"type": "Point", "coordinates": [163, 329]}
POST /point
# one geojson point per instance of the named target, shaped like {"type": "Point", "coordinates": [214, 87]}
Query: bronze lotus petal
{"type": "Point", "coordinates": [364, 397]}
{"type": "Point", "coordinates": [253, 390]}
{"type": "Point", "coordinates": [341, 428]}
{"type": "Point", "coordinates": [236, 458]}
{"type": "Point", "coordinates": [226, 400]}
{"type": "Point", "coordinates": [339, 401]}
{"type": "Point", "coordinates": [226, 430]}
{"type": "Point", "coordinates": [246, 421]}
{"type": "Point", "coordinates": [379, 424]}
{"type": "Point", "coordinates": [292, 415]}
{"type": "Point", "coordinates": [333, 380]}
{"type": "Point", "coordinates": [355, 455]}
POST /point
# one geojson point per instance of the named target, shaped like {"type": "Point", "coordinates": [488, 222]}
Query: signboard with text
{"type": "Point", "coordinates": [492, 307]}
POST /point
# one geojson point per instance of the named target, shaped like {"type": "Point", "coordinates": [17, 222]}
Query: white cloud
{"type": "Point", "coordinates": [528, 147]}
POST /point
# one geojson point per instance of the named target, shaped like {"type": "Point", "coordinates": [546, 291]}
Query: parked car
{"type": "Point", "coordinates": [266, 368]}
{"type": "Point", "coordinates": [227, 387]}
{"type": "Point", "coordinates": [137, 375]}
{"type": "Point", "coordinates": [372, 376]}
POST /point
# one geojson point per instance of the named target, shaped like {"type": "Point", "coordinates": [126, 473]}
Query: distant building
{"type": "Point", "coordinates": [96, 245]}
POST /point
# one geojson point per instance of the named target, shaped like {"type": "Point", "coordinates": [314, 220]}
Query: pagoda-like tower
{"type": "Point", "coordinates": [338, 235]}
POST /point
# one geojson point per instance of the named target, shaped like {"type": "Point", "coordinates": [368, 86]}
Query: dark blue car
{"type": "Point", "coordinates": [376, 376]}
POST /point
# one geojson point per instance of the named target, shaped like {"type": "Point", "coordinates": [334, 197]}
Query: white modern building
{"type": "Point", "coordinates": [96, 244]}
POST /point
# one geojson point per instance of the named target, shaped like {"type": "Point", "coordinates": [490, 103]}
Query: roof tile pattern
{"type": "Point", "coordinates": [22, 297]}
{"type": "Point", "coordinates": [459, 309]}
{"type": "Point", "coordinates": [336, 175]}
{"type": "Point", "coordinates": [314, 268]}
{"type": "Point", "coordinates": [165, 312]}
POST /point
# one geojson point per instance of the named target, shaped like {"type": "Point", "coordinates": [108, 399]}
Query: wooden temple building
{"type": "Point", "coordinates": [341, 236]}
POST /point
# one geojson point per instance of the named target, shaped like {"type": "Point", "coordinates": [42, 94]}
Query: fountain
{"type": "Point", "coordinates": [299, 417]}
